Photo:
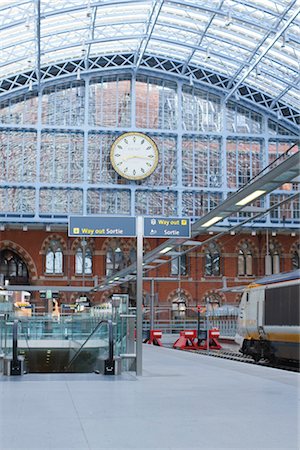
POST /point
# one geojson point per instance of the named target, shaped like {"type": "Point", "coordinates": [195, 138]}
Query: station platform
{"type": "Point", "coordinates": [182, 401]}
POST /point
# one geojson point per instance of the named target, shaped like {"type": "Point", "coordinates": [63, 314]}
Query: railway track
{"type": "Point", "coordinates": [235, 356]}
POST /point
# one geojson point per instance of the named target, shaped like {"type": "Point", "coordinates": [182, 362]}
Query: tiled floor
{"type": "Point", "coordinates": [182, 401]}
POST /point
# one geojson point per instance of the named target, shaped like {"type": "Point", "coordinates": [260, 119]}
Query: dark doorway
{"type": "Point", "coordinates": [13, 268]}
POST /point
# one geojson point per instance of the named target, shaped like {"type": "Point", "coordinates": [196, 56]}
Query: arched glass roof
{"type": "Point", "coordinates": [252, 43]}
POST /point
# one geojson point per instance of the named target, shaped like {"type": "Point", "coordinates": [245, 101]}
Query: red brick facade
{"type": "Point", "coordinates": [31, 247]}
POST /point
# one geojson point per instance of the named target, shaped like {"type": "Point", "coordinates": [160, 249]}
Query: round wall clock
{"type": "Point", "coordinates": [134, 155]}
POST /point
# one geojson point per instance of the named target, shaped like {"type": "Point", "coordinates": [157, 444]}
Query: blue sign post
{"type": "Point", "coordinates": [158, 227]}
{"type": "Point", "coordinates": [91, 226]}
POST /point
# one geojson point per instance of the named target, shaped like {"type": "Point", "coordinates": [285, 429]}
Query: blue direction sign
{"type": "Point", "coordinates": [92, 226]}
{"type": "Point", "coordinates": [167, 228]}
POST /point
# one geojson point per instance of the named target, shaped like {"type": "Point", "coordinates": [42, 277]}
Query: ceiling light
{"type": "Point", "coordinates": [250, 197]}
{"type": "Point", "coordinates": [30, 85]}
{"type": "Point", "coordinates": [274, 233]}
{"type": "Point", "coordinates": [165, 250]}
{"type": "Point", "coordinates": [212, 221]}
{"type": "Point", "coordinates": [232, 233]}
{"type": "Point", "coordinates": [293, 234]}
{"type": "Point", "coordinates": [25, 228]}
{"type": "Point", "coordinates": [78, 76]}
{"type": "Point", "coordinates": [253, 233]}
{"type": "Point", "coordinates": [2, 227]}
{"type": "Point", "coordinates": [48, 228]}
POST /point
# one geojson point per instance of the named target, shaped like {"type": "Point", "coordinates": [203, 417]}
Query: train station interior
{"type": "Point", "coordinates": [149, 224]}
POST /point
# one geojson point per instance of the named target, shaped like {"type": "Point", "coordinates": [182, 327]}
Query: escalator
{"type": "Point", "coordinates": [78, 344]}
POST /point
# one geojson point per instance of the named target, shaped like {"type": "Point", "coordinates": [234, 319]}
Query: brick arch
{"type": "Point", "coordinates": [23, 254]}
{"type": "Point", "coordinates": [112, 242]}
{"type": "Point", "coordinates": [50, 238]}
{"type": "Point", "coordinates": [217, 243]}
{"type": "Point", "coordinates": [276, 244]}
{"type": "Point", "coordinates": [214, 292]}
{"type": "Point", "coordinates": [295, 247]}
{"type": "Point", "coordinates": [250, 244]}
{"type": "Point", "coordinates": [107, 294]}
{"type": "Point", "coordinates": [77, 242]}
{"type": "Point", "coordinates": [174, 294]}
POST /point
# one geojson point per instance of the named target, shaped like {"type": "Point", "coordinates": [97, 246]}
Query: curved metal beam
{"type": "Point", "coordinates": [254, 64]}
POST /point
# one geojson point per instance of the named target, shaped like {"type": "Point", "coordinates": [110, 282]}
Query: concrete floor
{"type": "Point", "coordinates": [183, 401]}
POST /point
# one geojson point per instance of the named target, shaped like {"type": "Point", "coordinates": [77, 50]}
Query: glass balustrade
{"type": "Point", "coordinates": [49, 345]}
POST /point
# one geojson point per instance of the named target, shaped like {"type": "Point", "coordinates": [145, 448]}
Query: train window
{"type": "Point", "coordinates": [282, 305]}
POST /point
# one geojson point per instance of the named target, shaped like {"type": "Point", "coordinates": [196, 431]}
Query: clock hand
{"type": "Point", "coordinates": [136, 156]}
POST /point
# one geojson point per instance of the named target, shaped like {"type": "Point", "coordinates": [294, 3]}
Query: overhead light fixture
{"type": "Point", "coordinates": [250, 197]}
{"type": "Point", "coordinates": [232, 233]}
{"type": "Point", "coordinates": [258, 71]}
{"type": "Point", "coordinates": [212, 221]}
{"type": "Point", "coordinates": [30, 86]}
{"type": "Point", "coordinates": [78, 76]}
{"type": "Point", "coordinates": [116, 278]}
{"type": "Point", "coordinates": [208, 55]}
{"type": "Point", "coordinates": [2, 227]}
{"type": "Point", "coordinates": [193, 243]}
{"type": "Point", "coordinates": [191, 80]}
{"type": "Point", "coordinates": [253, 233]}
{"type": "Point", "coordinates": [274, 233]}
{"type": "Point", "coordinates": [210, 232]}
{"type": "Point", "coordinates": [165, 250]}
{"type": "Point", "coordinates": [293, 234]}
{"type": "Point", "coordinates": [25, 228]}
{"type": "Point", "coordinates": [48, 228]}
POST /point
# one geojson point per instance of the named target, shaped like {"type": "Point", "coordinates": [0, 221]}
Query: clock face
{"type": "Point", "coordinates": [134, 156]}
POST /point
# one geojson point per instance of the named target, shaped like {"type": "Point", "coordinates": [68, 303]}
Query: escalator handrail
{"type": "Point", "coordinates": [110, 341]}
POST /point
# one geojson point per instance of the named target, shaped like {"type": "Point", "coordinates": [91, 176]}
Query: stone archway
{"type": "Point", "coordinates": [23, 256]}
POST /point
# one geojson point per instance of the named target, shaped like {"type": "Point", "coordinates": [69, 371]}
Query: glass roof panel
{"type": "Point", "coordinates": [226, 37]}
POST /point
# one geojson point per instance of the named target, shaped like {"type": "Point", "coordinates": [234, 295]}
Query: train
{"type": "Point", "coordinates": [269, 322]}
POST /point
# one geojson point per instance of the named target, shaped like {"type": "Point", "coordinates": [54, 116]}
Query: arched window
{"type": "Point", "coordinates": [245, 260]}
{"type": "Point", "coordinates": [13, 268]}
{"type": "Point", "coordinates": [212, 301]}
{"type": "Point", "coordinates": [114, 260]}
{"type": "Point", "coordinates": [179, 305]}
{"type": "Point", "coordinates": [296, 258]}
{"type": "Point", "coordinates": [83, 259]}
{"type": "Point", "coordinates": [272, 260]}
{"type": "Point", "coordinates": [212, 260]}
{"type": "Point", "coordinates": [179, 265]}
{"type": "Point", "coordinates": [54, 258]}
{"type": "Point", "coordinates": [132, 255]}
